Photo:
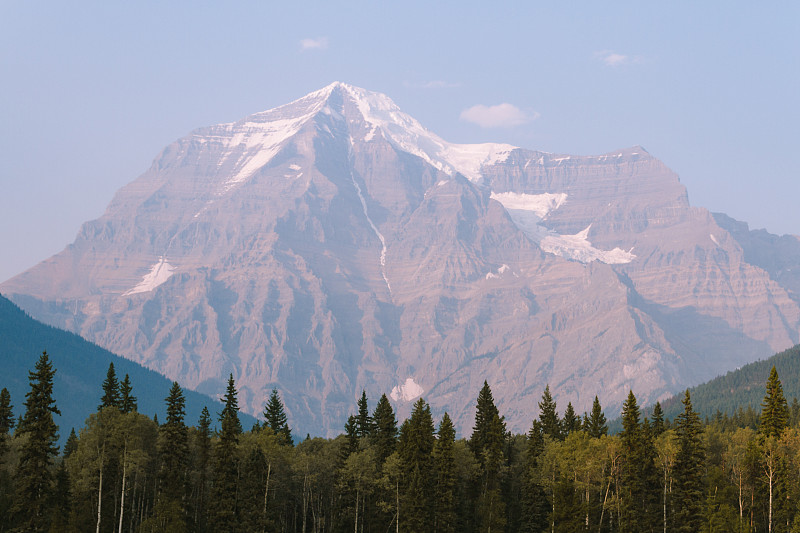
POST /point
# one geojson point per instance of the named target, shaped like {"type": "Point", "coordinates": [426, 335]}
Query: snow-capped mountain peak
{"type": "Point", "coordinates": [256, 139]}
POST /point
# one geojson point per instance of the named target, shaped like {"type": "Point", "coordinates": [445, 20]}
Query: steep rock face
{"type": "Point", "coordinates": [333, 245]}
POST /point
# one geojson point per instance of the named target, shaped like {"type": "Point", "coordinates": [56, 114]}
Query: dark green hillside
{"type": "Point", "coordinates": [80, 370]}
{"type": "Point", "coordinates": [743, 387]}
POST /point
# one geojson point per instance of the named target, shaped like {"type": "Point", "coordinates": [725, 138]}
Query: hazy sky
{"type": "Point", "coordinates": [91, 92]}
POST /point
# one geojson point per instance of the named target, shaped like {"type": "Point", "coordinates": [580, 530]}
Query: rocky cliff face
{"type": "Point", "coordinates": [333, 245]}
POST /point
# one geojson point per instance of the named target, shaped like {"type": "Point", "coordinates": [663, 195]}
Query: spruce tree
{"type": "Point", "coordinates": [275, 418]}
{"type": "Point", "coordinates": [351, 437]}
{"type": "Point", "coordinates": [34, 476]}
{"type": "Point", "coordinates": [689, 469]}
{"type": "Point", "coordinates": [484, 417]}
{"type": "Point", "coordinates": [640, 481]}
{"type": "Point", "coordinates": [571, 422]}
{"type": "Point", "coordinates": [548, 416]}
{"type": "Point", "coordinates": [110, 390]}
{"type": "Point", "coordinates": [597, 426]}
{"type": "Point", "coordinates": [658, 420]}
{"type": "Point", "coordinates": [71, 445]}
{"type": "Point", "coordinates": [384, 430]}
{"type": "Point", "coordinates": [202, 460]}
{"type": "Point", "coordinates": [173, 447]}
{"type": "Point", "coordinates": [488, 443]}
{"type": "Point", "coordinates": [225, 512]}
{"type": "Point", "coordinates": [363, 420]}
{"type": "Point", "coordinates": [416, 455]}
{"type": "Point", "coordinates": [444, 463]}
{"type": "Point", "coordinates": [127, 401]}
{"type": "Point", "coordinates": [534, 499]}
{"type": "Point", "coordinates": [774, 408]}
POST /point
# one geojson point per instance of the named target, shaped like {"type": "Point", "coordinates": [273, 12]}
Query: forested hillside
{"type": "Point", "coordinates": [126, 472]}
{"type": "Point", "coordinates": [81, 366]}
{"type": "Point", "coordinates": [743, 387]}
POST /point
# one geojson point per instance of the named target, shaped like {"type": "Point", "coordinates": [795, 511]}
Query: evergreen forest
{"type": "Point", "coordinates": [126, 472]}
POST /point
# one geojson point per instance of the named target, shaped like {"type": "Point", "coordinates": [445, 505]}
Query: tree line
{"type": "Point", "coordinates": [126, 472]}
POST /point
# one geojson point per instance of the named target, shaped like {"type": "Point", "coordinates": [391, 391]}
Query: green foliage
{"type": "Point", "coordinates": [444, 463]}
{"type": "Point", "coordinates": [658, 420]}
{"type": "Point", "coordinates": [571, 422]}
{"type": "Point", "coordinates": [364, 422]}
{"type": "Point", "coordinates": [122, 472]}
{"type": "Point", "coordinates": [110, 396]}
{"type": "Point", "coordinates": [689, 470]}
{"type": "Point", "coordinates": [596, 426]}
{"type": "Point", "coordinates": [224, 509]}
{"type": "Point", "coordinates": [384, 430]}
{"type": "Point", "coordinates": [6, 421]}
{"type": "Point", "coordinates": [741, 389]}
{"type": "Point", "coordinates": [34, 476]}
{"type": "Point", "coordinates": [774, 409]}
{"type": "Point", "coordinates": [82, 367]}
{"type": "Point", "coordinates": [415, 448]}
{"type": "Point", "coordinates": [173, 447]}
{"type": "Point", "coordinates": [127, 402]}
{"type": "Point", "coordinates": [275, 418]}
{"type": "Point", "coordinates": [548, 416]}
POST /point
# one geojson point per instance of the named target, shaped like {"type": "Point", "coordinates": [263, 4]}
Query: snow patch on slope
{"type": "Point", "coordinates": [407, 392]}
{"type": "Point", "coordinates": [159, 273]}
{"type": "Point", "coordinates": [579, 248]}
{"type": "Point", "coordinates": [527, 211]}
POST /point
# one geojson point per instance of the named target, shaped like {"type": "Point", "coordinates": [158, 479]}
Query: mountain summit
{"type": "Point", "coordinates": [334, 244]}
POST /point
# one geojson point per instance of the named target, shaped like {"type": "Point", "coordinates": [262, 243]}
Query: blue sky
{"type": "Point", "coordinates": [92, 91]}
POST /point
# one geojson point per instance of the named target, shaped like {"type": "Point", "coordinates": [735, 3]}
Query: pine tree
{"type": "Point", "coordinates": [444, 463]}
{"type": "Point", "coordinates": [363, 420]}
{"type": "Point", "coordinates": [275, 418]}
{"type": "Point", "coordinates": [384, 431]}
{"type": "Point", "coordinates": [110, 390]}
{"type": "Point", "coordinates": [548, 416]}
{"type": "Point", "coordinates": [689, 469]}
{"type": "Point", "coordinates": [774, 408]}
{"type": "Point", "coordinates": [658, 420]}
{"type": "Point", "coordinates": [34, 476]}
{"type": "Point", "coordinates": [225, 512]}
{"type": "Point", "coordinates": [571, 422]}
{"type": "Point", "coordinates": [597, 426]}
{"type": "Point", "coordinates": [127, 402]}
{"type": "Point", "coordinates": [173, 447]}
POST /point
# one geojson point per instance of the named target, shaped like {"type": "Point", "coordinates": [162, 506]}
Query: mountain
{"type": "Point", "coordinates": [81, 368]}
{"type": "Point", "coordinates": [334, 244]}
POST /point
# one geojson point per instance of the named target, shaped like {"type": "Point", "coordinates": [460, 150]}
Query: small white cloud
{"type": "Point", "coordinates": [320, 43]}
{"type": "Point", "coordinates": [497, 116]}
{"type": "Point", "coordinates": [612, 59]}
{"type": "Point", "coordinates": [434, 84]}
